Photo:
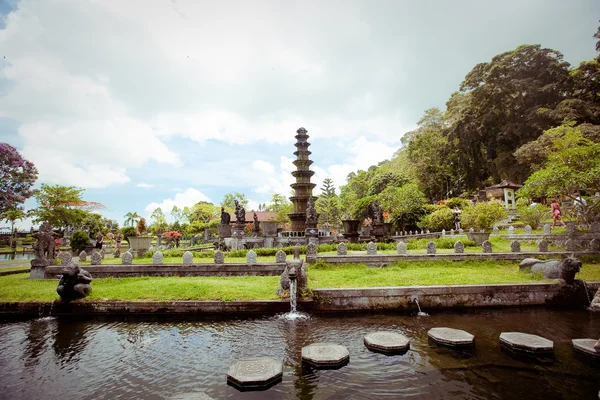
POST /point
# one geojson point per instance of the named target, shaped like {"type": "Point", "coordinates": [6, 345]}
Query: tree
{"type": "Point", "coordinates": [62, 206]}
{"type": "Point", "coordinates": [12, 216]}
{"type": "Point", "coordinates": [573, 166]}
{"type": "Point", "coordinates": [131, 219]}
{"type": "Point", "coordinates": [141, 226]}
{"type": "Point", "coordinates": [159, 221]}
{"type": "Point", "coordinates": [17, 177]}
{"type": "Point", "coordinates": [203, 212]}
{"type": "Point", "coordinates": [404, 205]}
{"type": "Point", "coordinates": [501, 111]}
{"type": "Point", "coordinates": [328, 204]}
{"type": "Point", "coordinates": [281, 206]}
{"type": "Point", "coordinates": [229, 200]}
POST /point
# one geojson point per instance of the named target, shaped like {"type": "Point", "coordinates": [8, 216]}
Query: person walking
{"type": "Point", "coordinates": [556, 213]}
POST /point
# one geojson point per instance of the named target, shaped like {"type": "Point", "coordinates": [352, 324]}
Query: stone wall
{"type": "Point", "coordinates": [125, 271]}
{"type": "Point", "coordinates": [454, 296]}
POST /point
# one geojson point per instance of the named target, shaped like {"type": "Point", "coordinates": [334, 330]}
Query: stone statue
{"type": "Point", "coordinates": [240, 213]}
{"type": "Point", "coordinates": [225, 217]}
{"type": "Point", "coordinates": [45, 247]}
{"type": "Point", "coordinates": [256, 225]}
{"type": "Point", "coordinates": [74, 283]}
{"type": "Point", "coordinates": [297, 268]}
{"type": "Point", "coordinates": [376, 213]}
{"type": "Point", "coordinates": [565, 268]}
{"type": "Point", "coordinates": [311, 212]}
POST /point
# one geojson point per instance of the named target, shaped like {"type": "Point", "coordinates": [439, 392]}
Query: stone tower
{"type": "Point", "coordinates": [302, 188]}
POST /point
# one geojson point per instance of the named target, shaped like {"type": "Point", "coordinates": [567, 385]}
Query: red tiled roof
{"type": "Point", "coordinates": [262, 216]}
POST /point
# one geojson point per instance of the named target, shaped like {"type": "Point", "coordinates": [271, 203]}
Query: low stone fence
{"type": "Point", "coordinates": [452, 296]}
{"type": "Point", "coordinates": [126, 271]}
{"type": "Point", "coordinates": [381, 260]}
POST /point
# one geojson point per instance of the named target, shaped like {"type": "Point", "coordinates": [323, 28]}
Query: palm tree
{"type": "Point", "coordinates": [12, 216]}
{"type": "Point", "coordinates": [131, 218]}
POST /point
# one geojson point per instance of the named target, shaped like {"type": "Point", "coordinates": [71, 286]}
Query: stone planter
{"type": "Point", "coordinates": [139, 244]}
{"type": "Point", "coordinates": [478, 237]}
{"type": "Point", "coordinates": [269, 228]}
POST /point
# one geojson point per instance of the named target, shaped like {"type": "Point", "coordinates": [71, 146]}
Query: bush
{"type": "Point", "coordinates": [80, 241]}
{"type": "Point", "coordinates": [457, 202]}
{"type": "Point", "coordinates": [441, 243]}
{"type": "Point", "coordinates": [483, 216]}
{"type": "Point", "coordinates": [128, 231]}
{"type": "Point", "coordinates": [533, 215]}
{"type": "Point", "coordinates": [438, 220]}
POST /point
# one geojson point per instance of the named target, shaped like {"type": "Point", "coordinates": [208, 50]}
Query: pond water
{"type": "Point", "coordinates": [58, 358]}
{"type": "Point", "coordinates": [16, 256]}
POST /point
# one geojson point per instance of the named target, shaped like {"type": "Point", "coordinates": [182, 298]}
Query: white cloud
{"type": "Point", "coordinates": [185, 199]}
{"type": "Point", "coordinates": [144, 185]}
{"type": "Point", "coordinates": [263, 166]}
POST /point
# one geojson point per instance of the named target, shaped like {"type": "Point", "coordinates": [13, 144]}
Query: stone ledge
{"type": "Point", "coordinates": [162, 308]}
{"type": "Point", "coordinates": [126, 271]}
{"type": "Point", "coordinates": [385, 259]}
{"type": "Point", "coordinates": [450, 296]}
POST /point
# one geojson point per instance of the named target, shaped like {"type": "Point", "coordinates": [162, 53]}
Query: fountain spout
{"type": "Point", "coordinates": [420, 313]}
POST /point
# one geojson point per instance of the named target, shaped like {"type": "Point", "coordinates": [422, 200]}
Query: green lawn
{"type": "Point", "coordinates": [17, 288]}
{"type": "Point", "coordinates": [414, 273]}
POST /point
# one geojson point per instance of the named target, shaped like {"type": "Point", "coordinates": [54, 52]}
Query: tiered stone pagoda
{"type": "Point", "coordinates": [302, 188]}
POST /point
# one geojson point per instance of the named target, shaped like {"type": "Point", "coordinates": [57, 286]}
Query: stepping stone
{"type": "Point", "coordinates": [255, 373]}
{"type": "Point", "coordinates": [586, 346]}
{"type": "Point", "coordinates": [451, 337]}
{"type": "Point", "coordinates": [526, 342]}
{"type": "Point", "coordinates": [325, 355]}
{"type": "Point", "coordinates": [387, 342]}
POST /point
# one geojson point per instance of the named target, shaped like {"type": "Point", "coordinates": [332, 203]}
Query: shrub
{"type": "Point", "coordinates": [79, 241]}
{"type": "Point", "coordinates": [441, 243]}
{"type": "Point", "coordinates": [128, 231]}
{"type": "Point", "coordinates": [533, 215]}
{"type": "Point", "coordinates": [484, 215]}
{"type": "Point", "coordinates": [438, 220]}
{"type": "Point", "coordinates": [457, 201]}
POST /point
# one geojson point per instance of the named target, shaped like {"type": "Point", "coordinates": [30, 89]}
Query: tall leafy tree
{"type": "Point", "coordinates": [17, 177]}
{"type": "Point", "coordinates": [502, 110]}
{"type": "Point", "coordinates": [230, 198]}
{"type": "Point", "coordinates": [62, 206]}
{"type": "Point", "coordinates": [159, 221]}
{"type": "Point", "coordinates": [573, 166]}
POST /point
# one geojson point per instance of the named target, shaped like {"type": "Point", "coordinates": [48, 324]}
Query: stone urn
{"type": "Point", "coordinates": [478, 237]}
{"type": "Point", "coordinates": [269, 228]}
{"type": "Point", "coordinates": [139, 244]}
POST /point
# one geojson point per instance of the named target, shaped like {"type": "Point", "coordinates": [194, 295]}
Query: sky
{"type": "Point", "coordinates": [155, 103]}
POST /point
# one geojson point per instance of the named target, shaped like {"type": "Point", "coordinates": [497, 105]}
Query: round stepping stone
{"type": "Point", "coordinates": [526, 342]}
{"type": "Point", "coordinates": [451, 337]}
{"type": "Point", "coordinates": [325, 354]}
{"type": "Point", "coordinates": [387, 342]}
{"type": "Point", "coordinates": [255, 372]}
{"type": "Point", "coordinates": [586, 346]}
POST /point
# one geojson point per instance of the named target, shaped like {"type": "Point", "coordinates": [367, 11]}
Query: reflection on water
{"type": "Point", "coordinates": [55, 358]}
{"type": "Point", "coordinates": [16, 256]}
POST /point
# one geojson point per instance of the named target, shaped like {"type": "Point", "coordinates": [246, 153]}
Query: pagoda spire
{"type": "Point", "coordinates": [302, 187]}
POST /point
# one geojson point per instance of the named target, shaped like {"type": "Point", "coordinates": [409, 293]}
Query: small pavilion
{"type": "Point", "coordinates": [504, 189]}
